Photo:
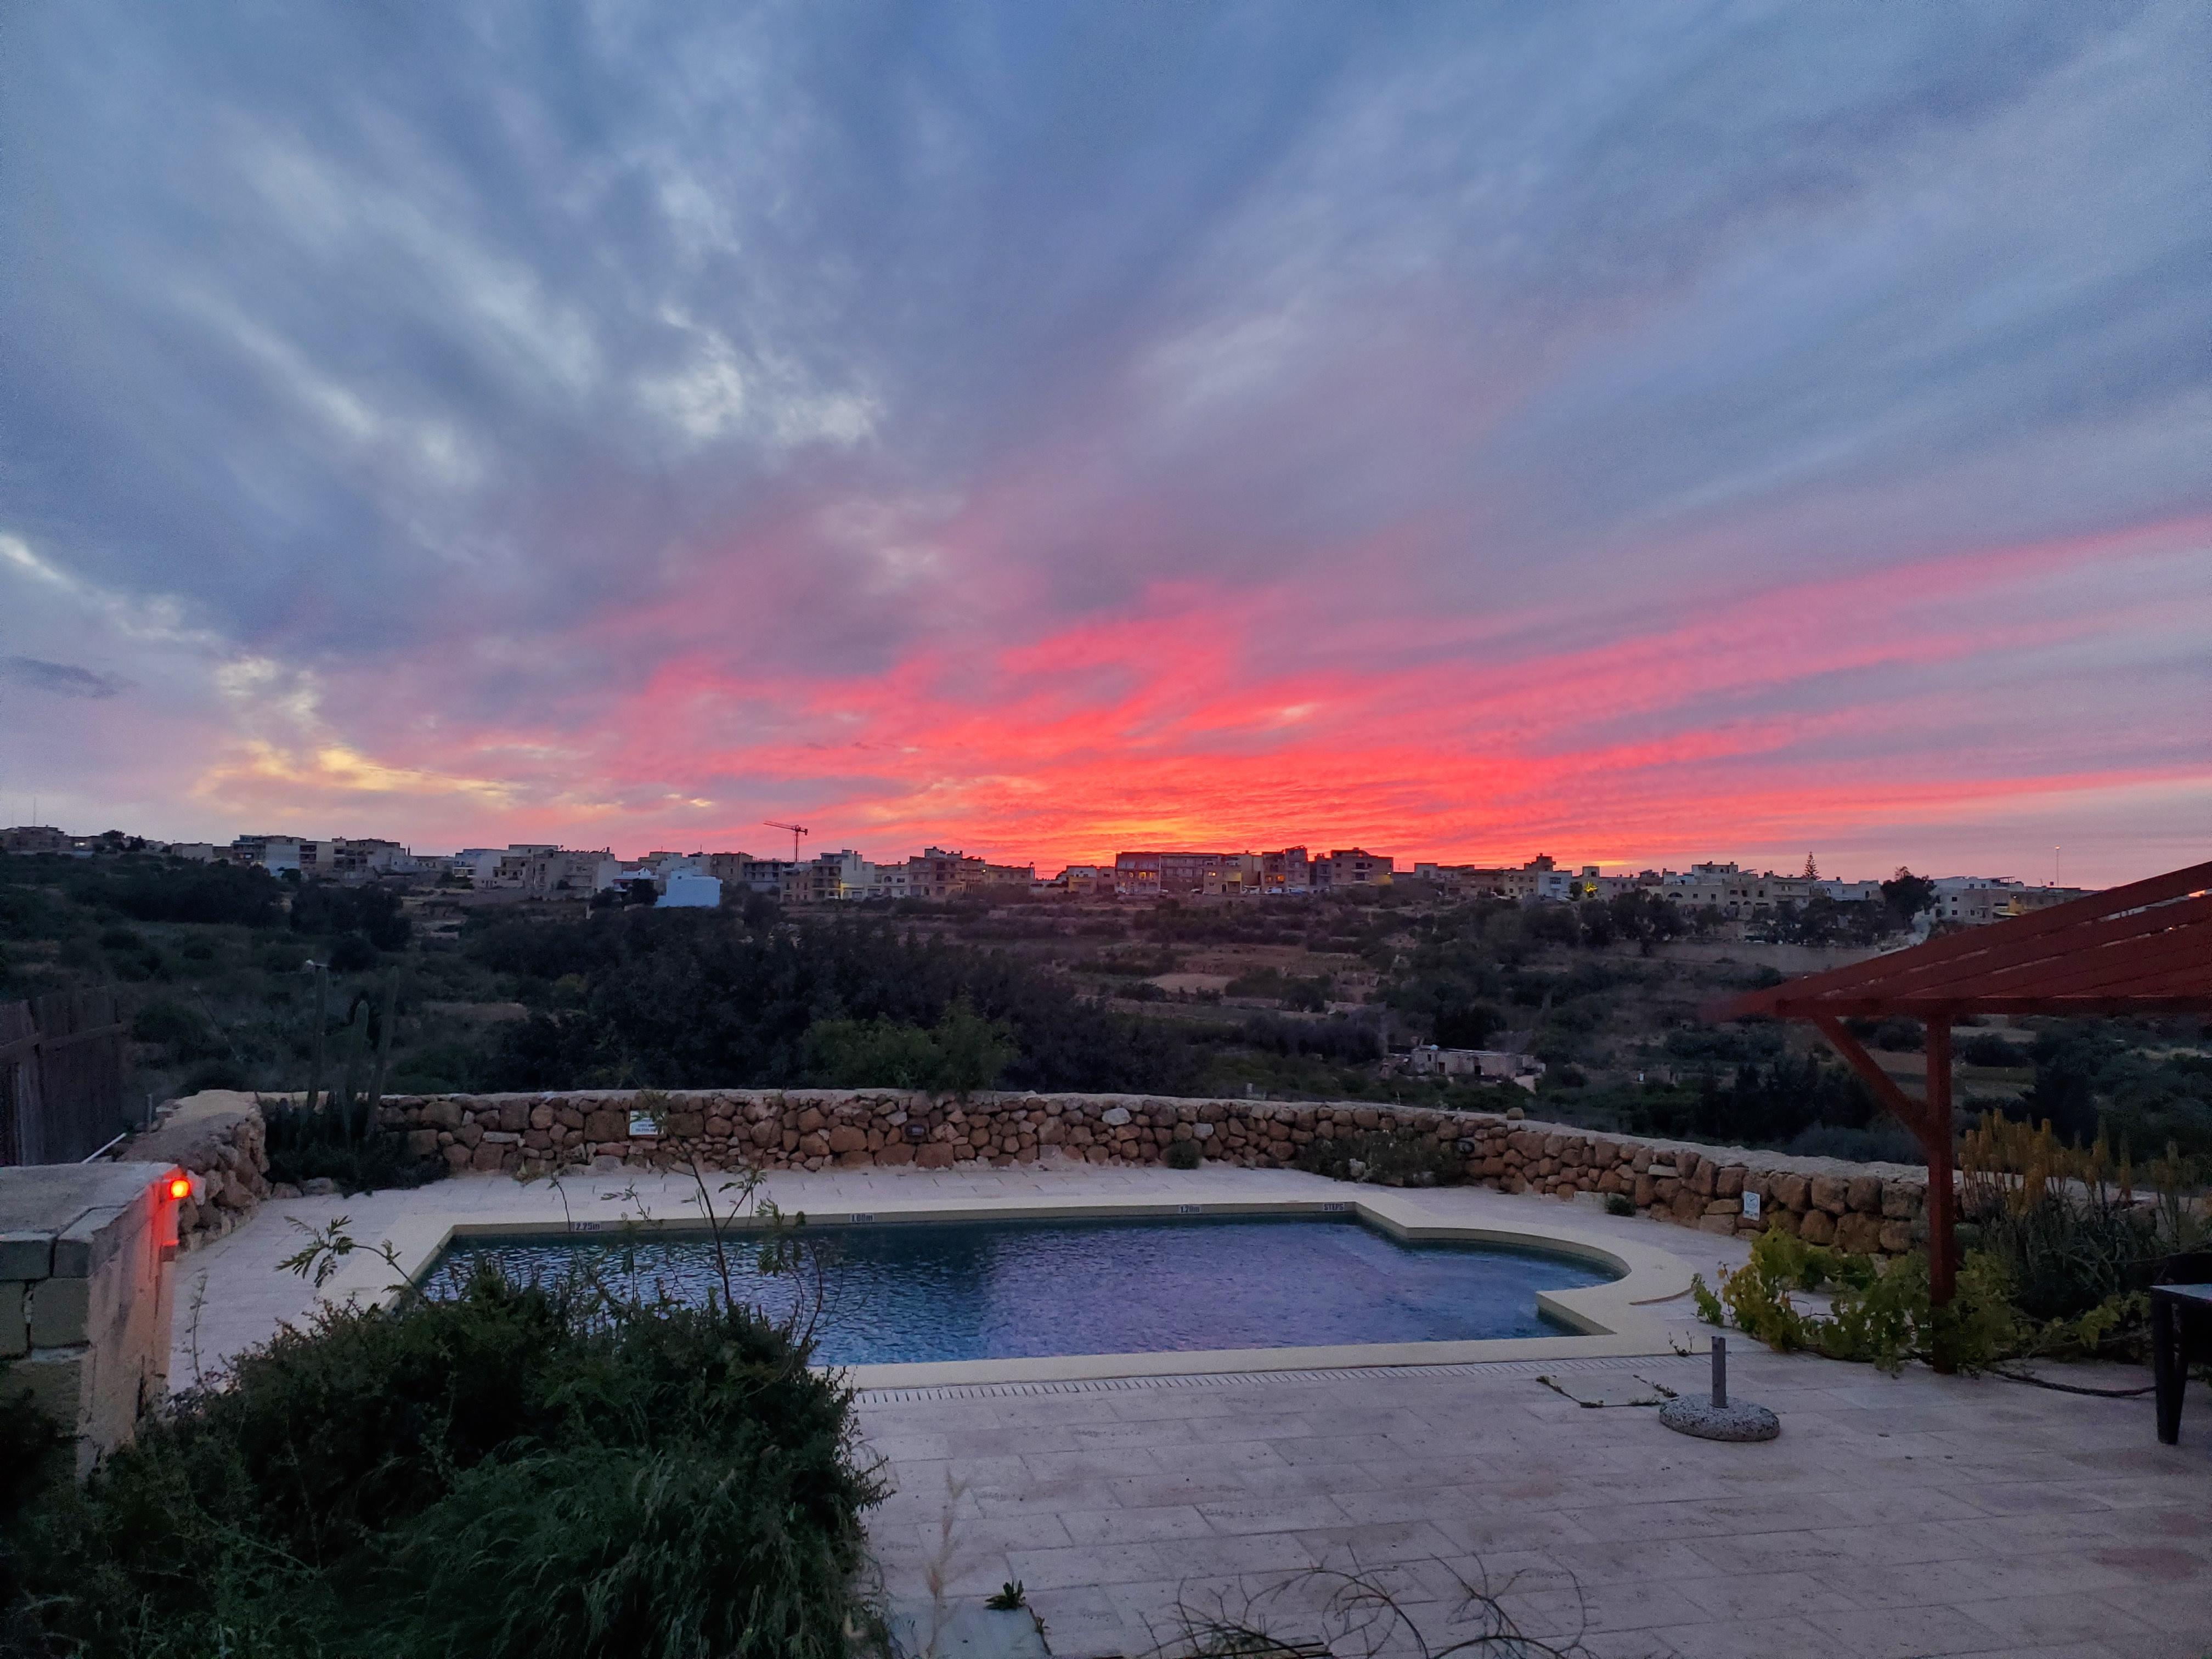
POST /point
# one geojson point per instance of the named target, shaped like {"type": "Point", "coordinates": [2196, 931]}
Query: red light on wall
{"type": "Point", "coordinates": [181, 1187]}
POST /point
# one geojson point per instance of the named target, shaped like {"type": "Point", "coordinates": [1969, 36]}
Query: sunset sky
{"type": "Point", "coordinates": [1636, 432]}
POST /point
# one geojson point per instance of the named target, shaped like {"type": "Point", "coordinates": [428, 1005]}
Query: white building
{"type": "Point", "coordinates": [689, 891]}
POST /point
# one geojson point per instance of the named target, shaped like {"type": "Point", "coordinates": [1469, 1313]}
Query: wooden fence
{"type": "Point", "coordinates": [61, 1078]}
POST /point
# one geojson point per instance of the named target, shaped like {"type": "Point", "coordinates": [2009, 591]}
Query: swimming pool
{"type": "Point", "coordinates": [942, 1291]}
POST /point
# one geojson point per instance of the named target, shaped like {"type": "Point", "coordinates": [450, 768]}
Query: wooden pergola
{"type": "Point", "coordinates": [2142, 949]}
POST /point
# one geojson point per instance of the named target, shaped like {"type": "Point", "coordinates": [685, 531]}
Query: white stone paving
{"type": "Point", "coordinates": [1915, 1516]}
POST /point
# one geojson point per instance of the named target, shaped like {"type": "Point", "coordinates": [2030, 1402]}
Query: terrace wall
{"type": "Point", "coordinates": [1870, 1207]}
{"type": "Point", "coordinates": [219, 1136]}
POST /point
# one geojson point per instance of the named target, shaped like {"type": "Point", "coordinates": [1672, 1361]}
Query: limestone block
{"type": "Point", "coordinates": [1723, 1207]}
{"type": "Point", "coordinates": [14, 1319]}
{"type": "Point", "coordinates": [60, 1312]}
{"type": "Point", "coordinates": [26, 1254]}
{"type": "Point", "coordinates": [1895, 1237]}
{"type": "Point", "coordinates": [515, 1116]}
{"type": "Point", "coordinates": [1728, 1182]}
{"type": "Point", "coordinates": [57, 1381]}
{"type": "Point", "coordinates": [441, 1113]}
{"type": "Point", "coordinates": [1818, 1228]}
{"type": "Point", "coordinates": [605, 1124]}
{"type": "Point", "coordinates": [1717, 1224]}
{"type": "Point", "coordinates": [846, 1138]}
{"type": "Point", "coordinates": [1791, 1191]}
{"type": "Point", "coordinates": [470, 1134]}
{"type": "Point", "coordinates": [1703, 1179]}
{"type": "Point", "coordinates": [456, 1156]}
{"type": "Point", "coordinates": [422, 1143]}
{"type": "Point", "coordinates": [1863, 1195]}
{"type": "Point", "coordinates": [1859, 1234]}
{"type": "Point", "coordinates": [1114, 1116]}
{"type": "Point", "coordinates": [1900, 1202]}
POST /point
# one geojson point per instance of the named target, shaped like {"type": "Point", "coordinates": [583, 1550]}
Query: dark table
{"type": "Point", "coordinates": [2180, 1320]}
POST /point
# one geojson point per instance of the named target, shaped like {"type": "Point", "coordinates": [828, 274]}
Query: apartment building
{"type": "Point", "coordinates": [744, 870]}
{"type": "Point", "coordinates": [558, 873]}
{"type": "Point", "coordinates": [1174, 875]}
{"type": "Point", "coordinates": [1352, 867]}
{"type": "Point", "coordinates": [1977, 901]}
{"type": "Point", "coordinates": [1502, 881]}
{"type": "Point", "coordinates": [1738, 893]}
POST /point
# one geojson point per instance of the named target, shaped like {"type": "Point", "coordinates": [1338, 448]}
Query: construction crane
{"type": "Point", "coordinates": [797, 830]}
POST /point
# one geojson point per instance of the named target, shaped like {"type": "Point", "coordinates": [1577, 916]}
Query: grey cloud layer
{"type": "Point", "coordinates": [59, 679]}
{"type": "Point", "coordinates": [377, 333]}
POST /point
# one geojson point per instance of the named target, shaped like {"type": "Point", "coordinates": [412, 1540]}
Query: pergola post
{"type": "Point", "coordinates": [2144, 948]}
{"type": "Point", "coordinates": [1936, 1140]}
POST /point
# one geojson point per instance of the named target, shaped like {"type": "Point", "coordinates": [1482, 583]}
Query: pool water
{"type": "Point", "coordinates": [938, 1290]}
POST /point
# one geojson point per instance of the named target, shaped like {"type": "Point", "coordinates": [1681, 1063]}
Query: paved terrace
{"type": "Point", "coordinates": [1918, 1516]}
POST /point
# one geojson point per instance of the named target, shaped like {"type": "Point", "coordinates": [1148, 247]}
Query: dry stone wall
{"type": "Point", "coordinates": [221, 1138]}
{"type": "Point", "coordinates": [1872, 1209]}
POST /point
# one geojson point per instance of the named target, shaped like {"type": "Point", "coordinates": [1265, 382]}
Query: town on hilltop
{"type": "Point", "coordinates": [546, 871]}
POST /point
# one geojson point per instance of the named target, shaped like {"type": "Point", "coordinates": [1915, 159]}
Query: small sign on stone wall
{"type": "Point", "coordinates": [1751, 1205]}
{"type": "Point", "coordinates": [642, 1124]}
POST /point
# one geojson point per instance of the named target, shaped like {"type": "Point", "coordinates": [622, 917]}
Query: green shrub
{"type": "Point", "coordinates": [340, 1144]}
{"type": "Point", "coordinates": [1991, 1050]}
{"type": "Point", "coordinates": [1879, 1312]}
{"type": "Point", "coordinates": [961, 1053]}
{"type": "Point", "coordinates": [2068, 1223]}
{"type": "Point", "coordinates": [1620, 1204]}
{"type": "Point", "coordinates": [1183, 1155]}
{"type": "Point", "coordinates": [1402, 1158]}
{"type": "Point", "coordinates": [522, 1471]}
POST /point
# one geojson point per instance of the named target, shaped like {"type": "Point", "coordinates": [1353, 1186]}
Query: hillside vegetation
{"type": "Point", "coordinates": [1287, 997]}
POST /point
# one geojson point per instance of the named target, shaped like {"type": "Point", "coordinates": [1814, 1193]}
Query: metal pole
{"type": "Point", "coordinates": [1720, 1373]}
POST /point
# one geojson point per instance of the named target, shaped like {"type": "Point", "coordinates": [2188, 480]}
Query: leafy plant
{"type": "Point", "coordinates": [522, 1470]}
{"type": "Point", "coordinates": [1183, 1155]}
{"type": "Point", "coordinates": [961, 1053]}
{"type": "Point", "coordinates": [1620, 1204]}
{"type": "Point", "coordinates": [2067, 1222]}
{"type": "Point", "coordinates": [1009, 1599]}
{"type": "Point", "coordinates": [341, 1142]}
{"type": "Point", "coordinates": [1402, 1158]}
{"type": "Point", "coordinates": [1880, 1314]}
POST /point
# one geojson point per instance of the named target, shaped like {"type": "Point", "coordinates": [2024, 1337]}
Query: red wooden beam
{"type": "Point", "coordinates": [1943, 1202]}
{"type": "Point", "coordinates": [2158, 997]}
{"type": "Point", "coordinates": [2011, 939]}
{"type": "Point", "coordinates": [1912, 1113]}
{"type": "Point", "coordinates": [2169, 930]}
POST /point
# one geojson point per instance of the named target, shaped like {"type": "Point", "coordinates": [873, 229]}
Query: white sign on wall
{"type": "Point", "coordinates": [1751, 1205]}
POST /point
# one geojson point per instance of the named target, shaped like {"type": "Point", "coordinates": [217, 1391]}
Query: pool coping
{"type": "Point", "coordinates": [1611, 1319]}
